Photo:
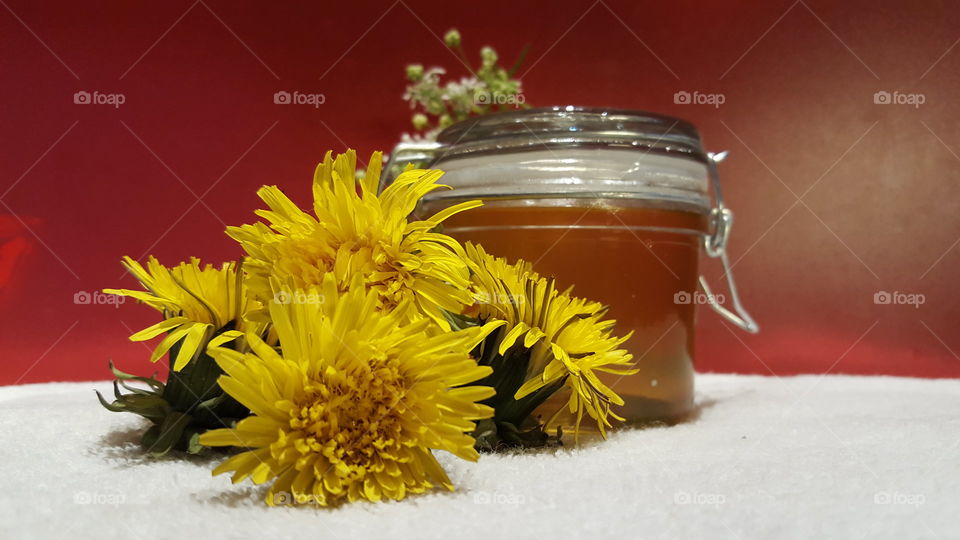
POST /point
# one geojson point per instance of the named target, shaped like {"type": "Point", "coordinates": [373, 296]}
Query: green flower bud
{"type": "Point", "coordinates": [452, 38]}
{"type": "Point", "coordinates": [420, 121]}
{"type": "Point", "coordinates": [414, 72]}
{"type": "Point", "coordinates": [435, 107]}
{"type": "Point", "coordinates": [489, 56]}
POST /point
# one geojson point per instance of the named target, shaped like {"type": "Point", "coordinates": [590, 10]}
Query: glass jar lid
{"type": "Point", "coordinates": [570, 155]}
{"type": "Point", "coordinates": [566, 126]}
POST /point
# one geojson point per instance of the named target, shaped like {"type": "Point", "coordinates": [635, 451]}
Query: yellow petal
{"type": "Point", "coordinates": [224, 337]}
{"type": "Point", "coordinates": [512, 336]}
{"type": "Point", "coordinates": [169, 341]}
{"type": "Point", "coordinates": [153, 331]}
{"type": "Point", "coordinates": [190, 345]}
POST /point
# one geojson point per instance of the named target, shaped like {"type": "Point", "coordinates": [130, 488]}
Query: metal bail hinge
{"type": "Point", "coordinates": [715, 244]}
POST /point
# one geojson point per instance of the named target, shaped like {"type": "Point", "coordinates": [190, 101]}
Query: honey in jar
{"type": "Point", "coordinates": [615, 203]}
{"type": "Point", "coordinates": [614, 256]}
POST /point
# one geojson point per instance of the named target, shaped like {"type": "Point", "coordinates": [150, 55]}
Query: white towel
{"type": "Point", "coordinates": [796, 457]}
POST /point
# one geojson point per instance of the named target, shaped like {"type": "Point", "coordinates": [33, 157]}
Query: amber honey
{"type": "Point", "coordinates": [639, 261]}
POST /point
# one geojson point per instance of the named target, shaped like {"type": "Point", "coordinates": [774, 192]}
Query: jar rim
{"type": "Point", "coordinates": [572, 126]}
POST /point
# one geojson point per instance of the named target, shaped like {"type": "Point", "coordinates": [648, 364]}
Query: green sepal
{"type": "Point", "coordinates": [191, 402]}
{"type": "Point", "coordinates": [513, 424]}
{"type": "Point", "coordinates": [152, 382]}
{"type": "Point", "coordinates": [460, 322]}
{"type": "Point", "coordinates": [143, 403]}
{"type": "Point", "coordinates": [193, 444]}
{"type": "Point", "coordinates": [168, 434]}
{"type": "Point", "coordinates": [150, 436]}
{"type": "Point", "coordinates": [492, 436]}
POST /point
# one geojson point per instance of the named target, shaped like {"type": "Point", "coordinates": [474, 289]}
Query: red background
{"type": "Point", "coordinates": [82, 185]}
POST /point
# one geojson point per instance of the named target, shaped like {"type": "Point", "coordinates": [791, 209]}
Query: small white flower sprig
{"type": "Point", "coordinates": [490, 88]}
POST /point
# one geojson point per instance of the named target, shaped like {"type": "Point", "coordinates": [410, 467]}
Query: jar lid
{"type": "Point", "coordinates": [580, 154]}
{"type": "Point", "coordinates": [566, 126]}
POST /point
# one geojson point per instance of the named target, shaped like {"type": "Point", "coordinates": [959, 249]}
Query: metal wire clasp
{"type": "Point", "coordinates": [715, 244]}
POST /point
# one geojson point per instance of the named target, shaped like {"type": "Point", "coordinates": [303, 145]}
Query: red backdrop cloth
{"type": "Point", "coordinates": [837, 197]}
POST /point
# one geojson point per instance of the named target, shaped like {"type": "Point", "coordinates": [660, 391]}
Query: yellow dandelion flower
{"type": "Point", "coordinates": [567, 336]}
{"type": "Point", "coordinates": [196, 303]}
{"type": "Point", "coordinates": [354, 401]}
{"type": "Point", "coordinates": [356, 231]}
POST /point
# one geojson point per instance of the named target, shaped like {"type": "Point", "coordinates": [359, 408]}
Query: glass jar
{"type": "Point", "coordinates": [615, 202]}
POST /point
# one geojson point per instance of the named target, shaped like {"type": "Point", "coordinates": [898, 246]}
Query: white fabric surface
{"type": "Point", "coordinates": [798, 457]}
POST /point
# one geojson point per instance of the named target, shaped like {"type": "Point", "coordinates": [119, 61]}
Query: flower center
{"type": "Point", "coordinates": [352, 415]}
